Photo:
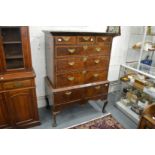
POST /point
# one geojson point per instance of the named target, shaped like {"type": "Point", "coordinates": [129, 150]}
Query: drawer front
{"type": "Point", "coordinates": [69, 64]}
{"type": "Point", "coordinates": [68, 96]}
{"type": "Point", "coordinates": [104, 39]}
{"type": "Point", "coordinates": [65, 40]}
{"type": "Point", "coordinates": [96, 49]}
{"type": "Point", "coordinates": [86, 39]}
{"type": "Point", "coordinates": [101, 62]}
{"type": "Point", "coordinates": [96, 90]}
{"type": "Point", "coordinates": [69, 79]}
{"type": "Point", "coordinates": [95, 76]}
{"type": "Point", "coordinates": [68, 51]}
{"type": "Point", "coordinates": [101, 50]}
{"type": "Point", "coordinates": [99, 97]}
{"type": "Point", "coordinates": [18, 84]}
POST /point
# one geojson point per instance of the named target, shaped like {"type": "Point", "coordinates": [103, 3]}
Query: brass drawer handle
{"type": "Point", "coordinates": [68, 93]}
{"type": "Point", "coordinates": [106, 85]}
{"type": "Point", "coordinates": [71, 63]}
{"type": "Point", "coordinates": [85, 59]}
{"type": "Point", "coordinates": [96, 75]}
{"type": "Point", "coordinates": [84, 72]}
{"type": "Point", "coordinates": [97, 87]}
{"type": "Point", "coordinates": [18, 84]}
{"type": "Point", "coordinates": [104, 38]}
{"type": "Point", "coordinates": [66, 38]}
{"type": "Point", "coordinates": [71, 78]}
{"type": "Point", "coordinates": [86, 38]}
{"type": "Point", "coordinates": [85, 47]}
{"type": "Point", "coordinates": [97, 61]}
{"type": "Point", "coordinates": [98, 49]}
{"type": "Point", "coordinates": [71, 50]}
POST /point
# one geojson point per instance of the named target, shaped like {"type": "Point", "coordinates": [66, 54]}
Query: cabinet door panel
{"type": "Point", "coordinates": [22, 105]}
{"type": "Point", "coordinates": [4, 121]}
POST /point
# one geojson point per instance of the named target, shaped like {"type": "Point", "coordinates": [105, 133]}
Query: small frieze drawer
{"type": "Point", "coordinates": [18, 84]}
{"type": "Point", "coordinates": [86, 39]}
{"type": "Point", "coordinates": [104, 39]}
{"type": "Point", "coordinates": [65, 40]}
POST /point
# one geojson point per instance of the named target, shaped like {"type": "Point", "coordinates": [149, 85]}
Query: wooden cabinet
{"type": "Point", "coordinates": [18, 103]}
{"type": "Point", "coordinates": [77, 67]}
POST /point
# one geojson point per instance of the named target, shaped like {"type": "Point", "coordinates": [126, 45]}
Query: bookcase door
{"type": "Point", "coordinates": [15, 48]}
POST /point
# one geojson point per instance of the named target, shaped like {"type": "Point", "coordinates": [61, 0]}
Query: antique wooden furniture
{"type": "Point", "coordinates": [147, 120]}
{"type": "Point", "coordinates": [18, 103]}
{"type": "Point", "coordinates": [77, 67]}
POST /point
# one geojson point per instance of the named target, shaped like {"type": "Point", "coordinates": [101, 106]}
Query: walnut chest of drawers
{"type": "Point", "coordinates": [77, 66]}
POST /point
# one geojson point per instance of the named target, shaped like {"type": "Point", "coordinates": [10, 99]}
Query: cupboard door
{"type": "Point", "coordinates": [23, 107]}
{"type": "Point", "coordinates": [4, 121]}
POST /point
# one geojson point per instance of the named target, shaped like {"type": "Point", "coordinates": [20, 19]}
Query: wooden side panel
{"type": "Point", "coordinates": [49, 54]}
{"type": "Point", "coordinates": [1, 55]}
{"type": "Point", "coordinates": [26, 47]}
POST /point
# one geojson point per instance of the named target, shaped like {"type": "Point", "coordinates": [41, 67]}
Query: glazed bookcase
{"type": "Point", "coordinates": [18, 101]}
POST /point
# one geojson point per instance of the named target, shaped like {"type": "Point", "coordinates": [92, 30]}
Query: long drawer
{"type": "Point", "coordinates": [65, 51]}
{"type": "Point", "coordinates": [85, 62]}
{"type": "Point", "coordinates": [17, 84]}
{"type": "Point", "coordinates": [73, 95]}
{"type": "Point", "coordinates": [81, 77]}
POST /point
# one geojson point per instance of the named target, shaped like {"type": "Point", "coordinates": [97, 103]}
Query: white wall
{"type": "Point", "coordinates": [118, 55]}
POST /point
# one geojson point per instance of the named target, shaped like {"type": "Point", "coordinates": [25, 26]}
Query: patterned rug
{"type": "Point", "coordinates": [104, 122]}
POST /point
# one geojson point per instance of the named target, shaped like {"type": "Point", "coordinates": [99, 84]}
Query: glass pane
{"type": "Point", "coordinates": [11, 34]}
{"type": "Point", "coordinates": [12, 46]}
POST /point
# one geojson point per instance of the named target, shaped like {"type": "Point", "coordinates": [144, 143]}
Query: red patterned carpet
{"type": "Point", "coordinates": [104, 122]}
